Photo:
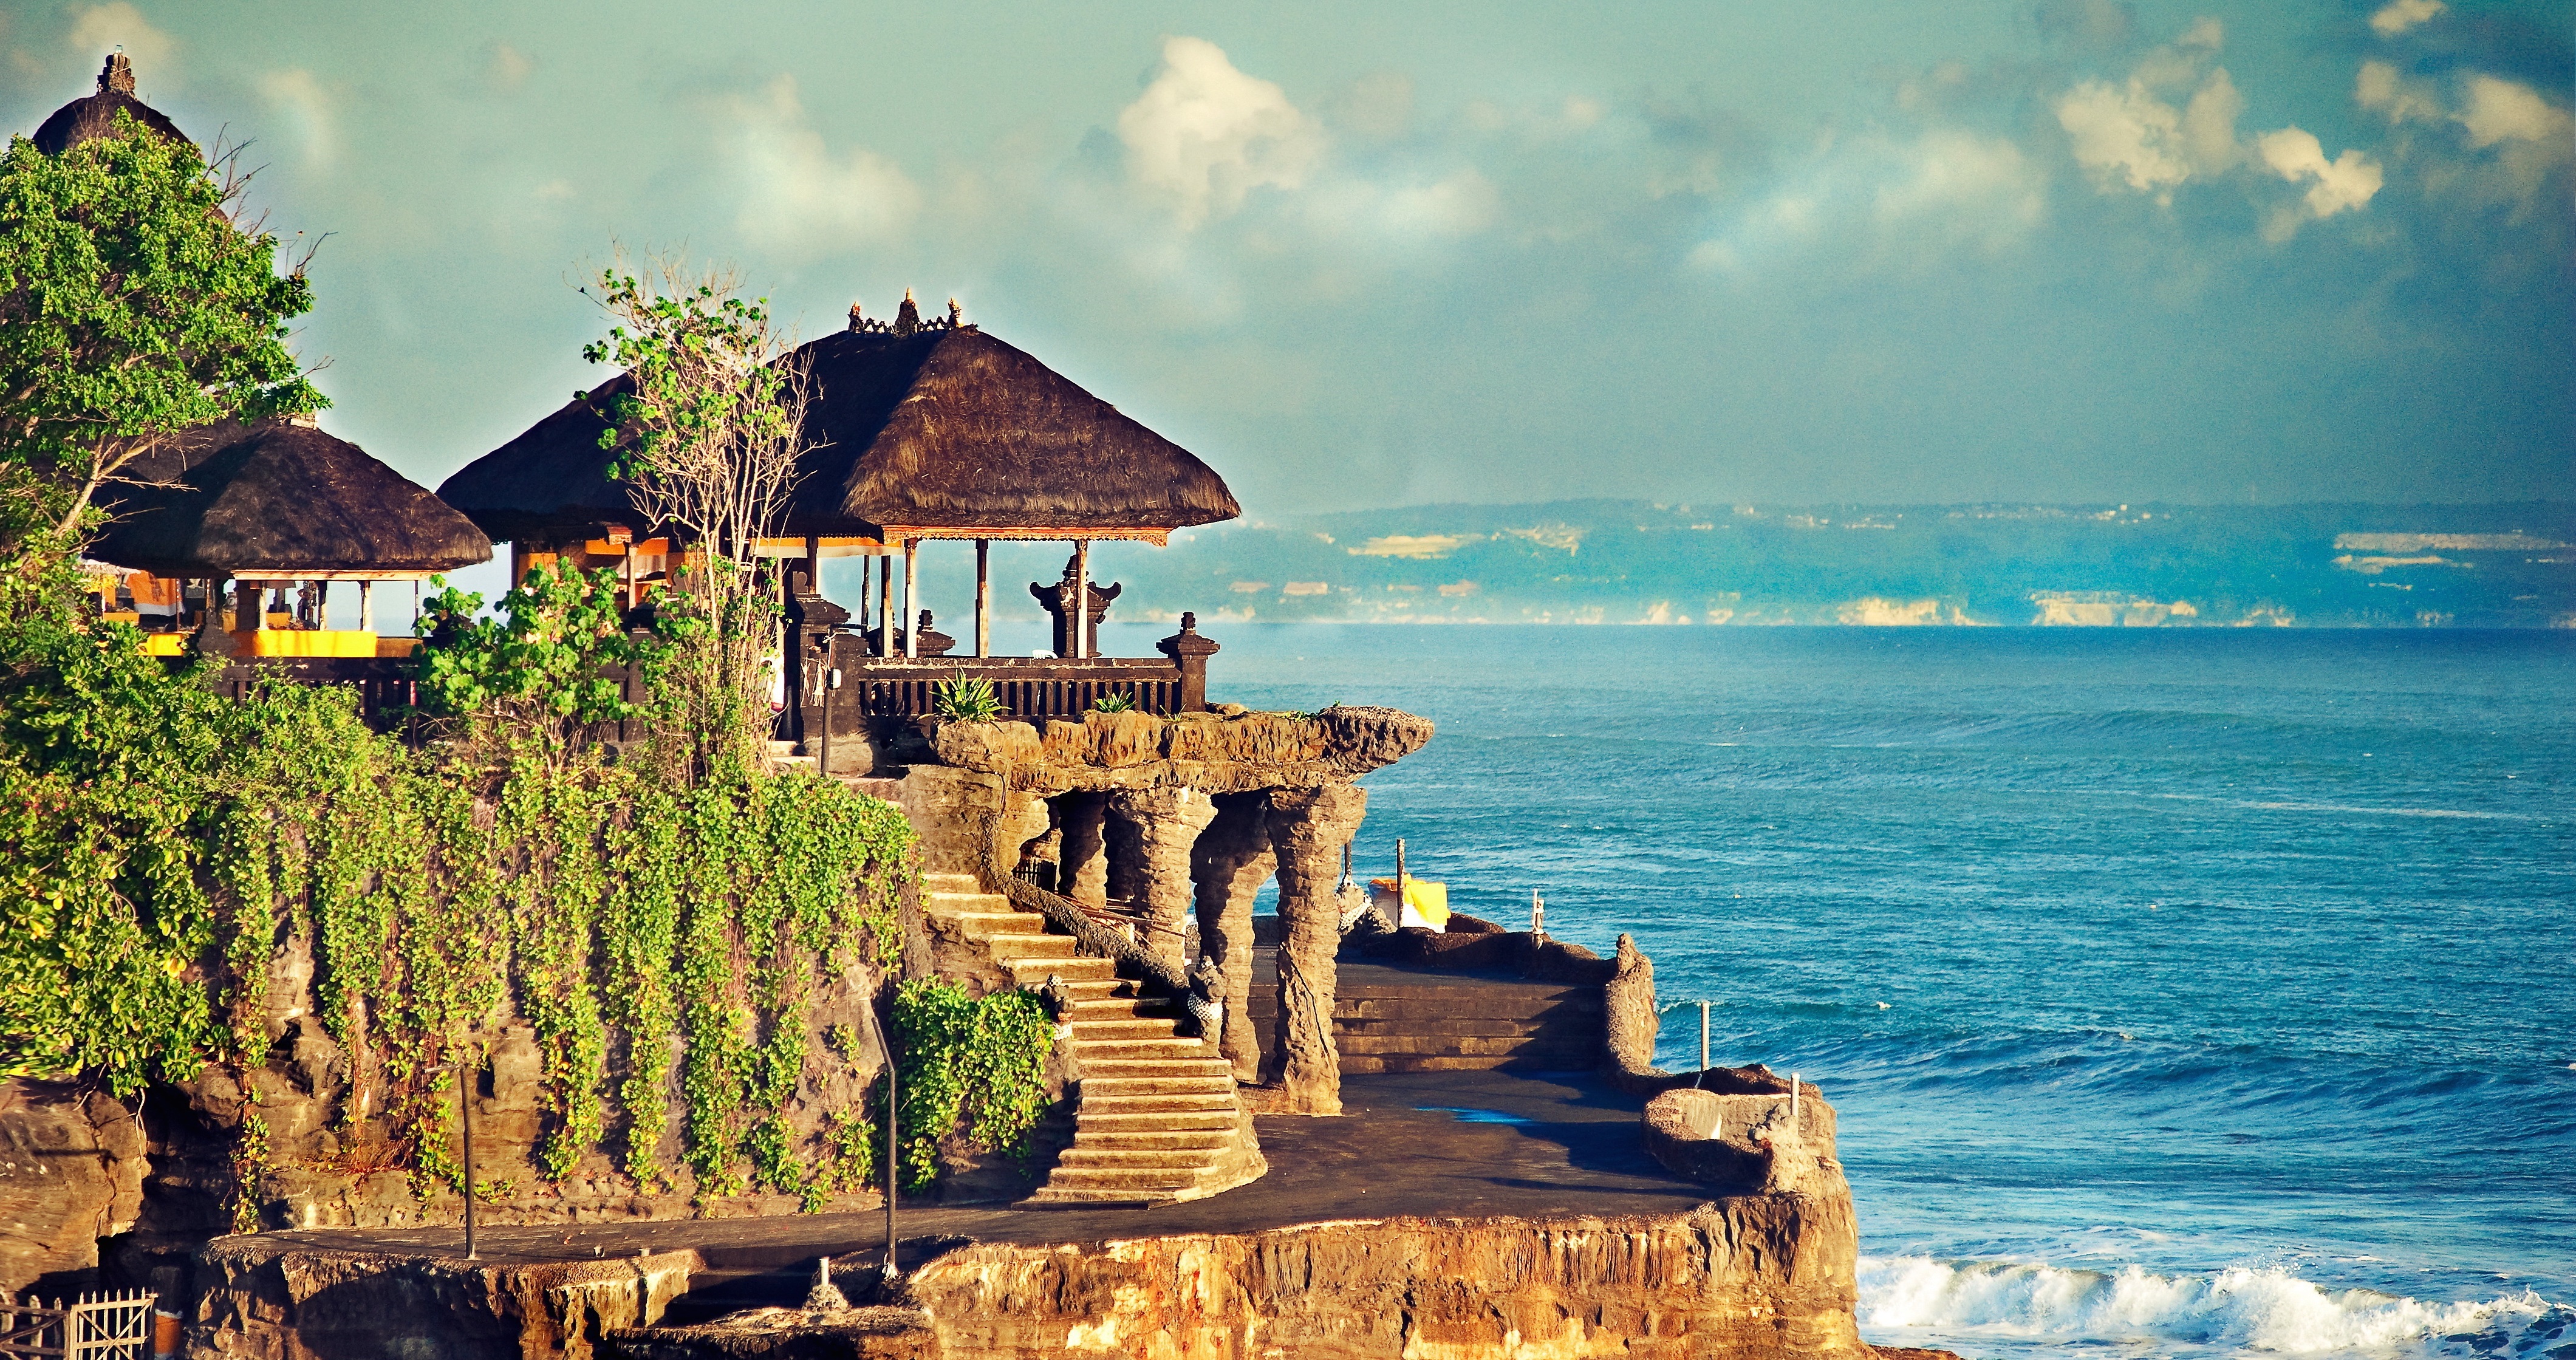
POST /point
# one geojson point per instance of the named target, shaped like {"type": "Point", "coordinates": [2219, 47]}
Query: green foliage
{"type": "Point", "coordinates": [157, 843]}
{"type": "Point", "coordinates": [975, 1065]}
{"type": "Point", "coordinates": [133, 304]}
{"type": "Point", "coordinates": [1114, 703]}
{"type": "Point", "coordinates": [529, 682]}
{"type": "Point", "coordinates": [965, 699]}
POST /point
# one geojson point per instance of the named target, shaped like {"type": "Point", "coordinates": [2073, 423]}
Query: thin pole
{"type": "Point", "coordinates": [890, 1269]}
{"type": "Point", "coordinates": [465, 1112]}
{"type": "Point", "coordinates": [1703, 1037]}
{"type": "Point", "coordinates": [1399, 880]}
{"type": "Point", "coordinates": [1082, 597]}
{"type": "Point", "coordinates": [366, 607]}
{"type": "Point", "coordinates": [885, 608]}
{"type": "Point", "coordinates": [911, 602]}
{"type": "Point", "coordinates": [983, 597]}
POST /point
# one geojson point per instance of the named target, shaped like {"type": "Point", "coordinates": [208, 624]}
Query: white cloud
{"type": "Point", "coordinates": [2343, 184]}
{"type": "Point", "coordinates": [2209, 124]}
{"type": "Point", "coordinates": [798, 199]}
{"type": "Point", "coordinates": [309, 109]}
{"type": "Point", "coordinates": [1460, 204]}
{"type": "Point", "coordinates": [98, 28]}
{"type": "Point", "coordinates": [2124, 134]}
{"type": "Point", "coordinates": [1203, 134]}
{"type": "Point", "coordinates": [1975, 189]}
{"type": "Point", "coordinates": [2501, 110]}
{"type": "Point", "coordinates": [2400, 15]}
{"type": "Point", "coordinates": [2381, 88]}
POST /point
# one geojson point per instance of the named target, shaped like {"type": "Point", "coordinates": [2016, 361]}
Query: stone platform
{"type": "Point", "coordinates": [1395, 1018]}
{"type": "Point", "coordinates": [1441, 1206]}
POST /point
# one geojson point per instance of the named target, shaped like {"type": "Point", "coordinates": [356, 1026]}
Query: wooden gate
{"type": "Point", "coordinates": [115, 1326]}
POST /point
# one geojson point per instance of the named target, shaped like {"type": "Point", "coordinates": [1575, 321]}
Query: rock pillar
{"type": "Point", "coordinates": [1308, 828]}
{"type": "Point", "coordinates": [1165, 824]}
{"type": "Point", "coordinates": [1230, 862]}
{"type": "Point", "coordinates": [1082, 855]}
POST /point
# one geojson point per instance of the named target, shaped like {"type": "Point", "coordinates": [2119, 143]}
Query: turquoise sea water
{"type": "Point", "coordinates": [2200, 993]}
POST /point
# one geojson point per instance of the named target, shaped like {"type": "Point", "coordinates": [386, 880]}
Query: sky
{"type": "Point", "coordinates": [1361, 255]}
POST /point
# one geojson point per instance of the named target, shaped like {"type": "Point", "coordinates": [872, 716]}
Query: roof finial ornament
{"type": "Point", "coordinates": [907, 318]}
{"type": "Point", "coordinates": [117, 77]}
{"type": "Point", "coordinates": [856, 314]}
{"type": "Point", "coordinates": [956, 314]}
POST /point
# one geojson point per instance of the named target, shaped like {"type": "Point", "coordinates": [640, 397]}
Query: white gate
{"type": "Point", "coordinates": [116, 1326]}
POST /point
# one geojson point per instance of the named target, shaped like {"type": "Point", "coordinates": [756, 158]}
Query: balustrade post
{"type": "Point", "coordinates": [1189, 653]}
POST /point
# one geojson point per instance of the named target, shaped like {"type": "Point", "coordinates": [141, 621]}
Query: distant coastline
{"type": "Point", "coordinates": [1742, 564]}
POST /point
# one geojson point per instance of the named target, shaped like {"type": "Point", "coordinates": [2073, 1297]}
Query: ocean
{"type": "Point", "coordinates": [2183, 993]}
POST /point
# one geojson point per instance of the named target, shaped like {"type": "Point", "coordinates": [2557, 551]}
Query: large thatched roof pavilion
{"type": "Point", "coordinates": [919, 430]}
{"type": "Point", "coordinates": [277, 503]}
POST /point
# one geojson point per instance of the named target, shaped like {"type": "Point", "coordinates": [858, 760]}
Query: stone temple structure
{"type": "Point", "coordinates": [1183, 819]}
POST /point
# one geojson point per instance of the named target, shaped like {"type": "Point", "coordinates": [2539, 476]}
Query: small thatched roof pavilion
{"type": "Point", "coordinates": [275, 502]}
{"type": "Point", "coordinates": [920, 430]}
{"type": "Point", "coordinates": [92, 117]}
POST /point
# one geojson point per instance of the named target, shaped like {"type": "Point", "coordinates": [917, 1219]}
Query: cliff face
{"type": "Point", "coordinates": [71, 1172]}
{"type": "Point", "coordinates": [1747, 1278]}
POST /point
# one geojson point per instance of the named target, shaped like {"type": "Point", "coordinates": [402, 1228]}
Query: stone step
{"type": "Point", "coordinates": [795, 763]}
{"type": "Point", "coordinates": [1215, 1124]}
{"type": "Point", "coordinates": [1217, 1136]}
{"type": "Point", "coordinates": [1074, 970]}
{"type": "Point", "coordinates": [951, 883]}
{"type": "Point", "coordinates": [1142, 1050]}
{"type": "Point", "coordinates": [1155, 1067]}
{"type": "Point", "coordinates": [1079, 1157]}
{"type": "Point", "coordinates": [1150, 1087]}
{"type": "Point", "coordinates": [1089, 1030]}
{"type": "Point", "coordinates": [1032, 946]}
{"type": "Point", "coordinates": [1123, 1178]}
{"type": "Point", "coordinates": [1106, 1105]}
{"type": "Point", "coordinates": [984, 925]}
{"type": "Point", "coordinates": [779, 748]}
{"type": "Point", "coordinates": [1053, 1194]}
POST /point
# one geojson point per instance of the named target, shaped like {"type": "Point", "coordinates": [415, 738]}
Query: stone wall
{"type": "Point", "coordinates": [1747, 1278]}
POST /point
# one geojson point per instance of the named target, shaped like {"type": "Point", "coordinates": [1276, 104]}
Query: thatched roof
{"type": "Point", "coordinates": [94, 116]}
{"type": "Point", "coordinates": [945, 428]}
{"type": "Point", "coordinates": [278, 499]}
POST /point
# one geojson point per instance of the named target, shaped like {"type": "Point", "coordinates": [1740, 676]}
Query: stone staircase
{"type": "Point", "coordinates": [784, 756]}
{"type": "Point", "coordinates": [1158, 1119]}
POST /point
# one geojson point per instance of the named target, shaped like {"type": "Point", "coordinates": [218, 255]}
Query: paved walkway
{"type": "Point", "coordinates": [1525, 1146]}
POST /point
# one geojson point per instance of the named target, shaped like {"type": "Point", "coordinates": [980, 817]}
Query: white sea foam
{"type": "Point", "coordinates": [2237, 1311]}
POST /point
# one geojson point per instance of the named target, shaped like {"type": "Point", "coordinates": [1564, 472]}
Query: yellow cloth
{"type": "Point", "coordinates": [1425, 903]}
{"type": "Point", "coordinates": [307, 642]}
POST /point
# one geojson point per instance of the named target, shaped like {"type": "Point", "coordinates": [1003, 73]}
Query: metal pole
{"type": "Point", "coordinates": [1399, 881]}
{"type": "Point", "coordinates": [1703, 1036]}
{"type": "Point", "coordinates": [890, 1268]}
{"type": "Point", "coordinates": [465, 1112]}
{"type": "Point", "coordinates": [831, 682]}
{"type": "Point", "coordinates": [911, 603]}
{"type": "Point", "coordinates": [983, 597]}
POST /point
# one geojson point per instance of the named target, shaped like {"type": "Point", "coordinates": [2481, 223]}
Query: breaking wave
{"type": "Point", "coordinates": [2236, 1311]}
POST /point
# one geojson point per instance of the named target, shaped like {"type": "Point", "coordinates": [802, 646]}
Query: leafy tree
{"type": "Point", "coordinates": [531, 683]}
{"type": "Point", "coordinates": [707, 431]}
{"type": "Point", "coordinates": [135, 302]}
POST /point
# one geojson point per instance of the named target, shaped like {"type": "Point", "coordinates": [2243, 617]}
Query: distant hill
{"type": "Point", "coordinates": [1602, 561]}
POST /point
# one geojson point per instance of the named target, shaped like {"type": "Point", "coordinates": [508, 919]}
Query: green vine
{"type": "Point", "coordinates": [966, 1064]}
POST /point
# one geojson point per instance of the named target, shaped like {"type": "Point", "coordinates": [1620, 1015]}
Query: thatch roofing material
{"type": "Point", "coordinates": [945, 428]}
{"type": "Point", "coordinates": [92, 117]}
{"type": "Point", "coordinates": [279, 499]}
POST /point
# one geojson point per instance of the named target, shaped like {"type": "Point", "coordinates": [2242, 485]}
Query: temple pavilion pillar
{"type": "Point", "coordinates": [1166, 824]}
{"type": "Point", "coordinates": [1308, 828]}
{"type": "Point", "coordinates": [1229, 862]}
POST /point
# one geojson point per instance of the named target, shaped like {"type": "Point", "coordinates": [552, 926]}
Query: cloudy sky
{"type": "Point", "coordinates": [1361, 254]}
